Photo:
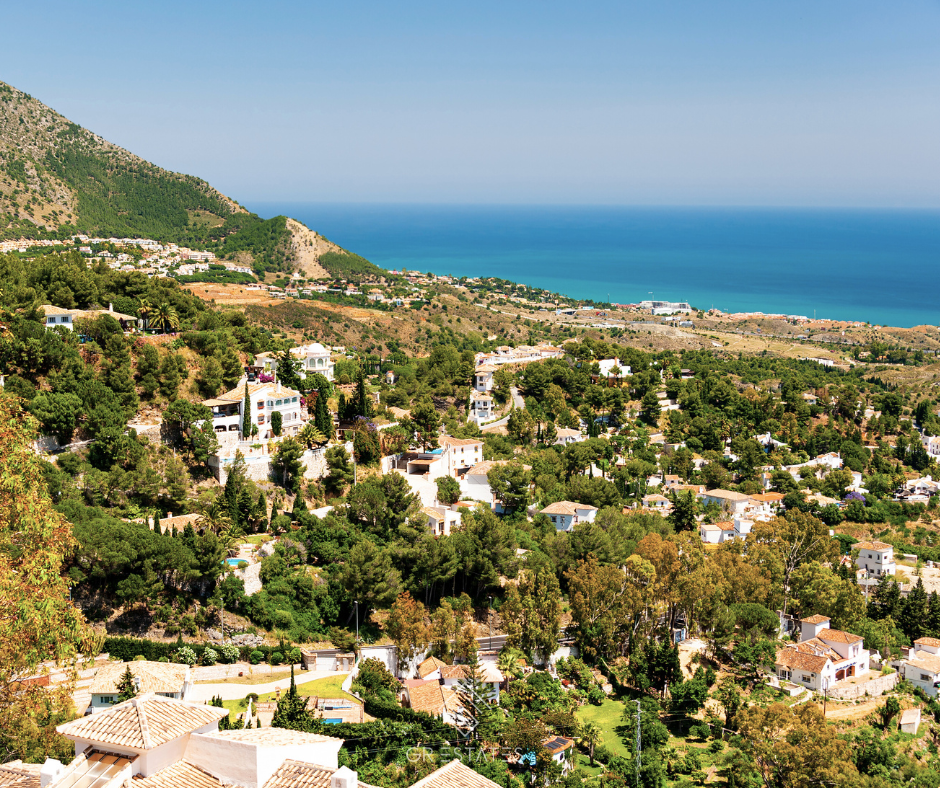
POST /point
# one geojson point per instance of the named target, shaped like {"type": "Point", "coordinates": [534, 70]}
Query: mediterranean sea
{"type": "Point", "coordinates": [866, 265]}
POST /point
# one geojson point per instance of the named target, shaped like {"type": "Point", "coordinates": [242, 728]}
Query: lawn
{"type": "Point", "coordinates": [607, 717]}
{"type": "Point", "coordinates": [329, 687]}
{"type": "Point", "coordinates": [257, 539]}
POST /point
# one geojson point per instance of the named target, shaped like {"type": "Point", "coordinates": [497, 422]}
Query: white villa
{"type": "Point", "coordinates": [734, 503]}
{"type": "Point", "coordinates": [313, 358]}
{"type": "Point", "coordinates": [57, 317]}
{"type": "Point", "coordinates": [922, 667]}
{"type": "Point", "coordinates": [454, 458]}
{"type": "Point", "coordinates": [482, 407]}
{"type": "Point", "coordinates": [441, 519]}
{"type": "Point", "coordinates": [265, 398]}
{"type": "Point", "coordinates": [875, 558]}
{"type": "Point", "coordinates": [565, 515]}
{"type": "Point", "coordinates": [483, 378]}
{"type": "Point", "coordinates": [822, 657]}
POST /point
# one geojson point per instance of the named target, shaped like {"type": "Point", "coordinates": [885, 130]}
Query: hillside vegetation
{"type": "Point", "coordinates": [58, 179]}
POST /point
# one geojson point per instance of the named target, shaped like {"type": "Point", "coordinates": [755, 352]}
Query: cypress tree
{"type": "Point", "coordinates": [321, 414]}
{"type": "Point", "coordinates": [246, 414]}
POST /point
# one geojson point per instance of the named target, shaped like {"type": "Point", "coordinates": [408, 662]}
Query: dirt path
{"type": "Point", "coordinates": [853, 711]}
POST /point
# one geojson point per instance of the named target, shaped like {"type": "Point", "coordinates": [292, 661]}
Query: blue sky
{"type": "Point", "coordinates": [662, 102]}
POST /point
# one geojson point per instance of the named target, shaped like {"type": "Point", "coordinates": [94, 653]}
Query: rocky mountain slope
{"type": "Point", "coordinates": [57, 177]}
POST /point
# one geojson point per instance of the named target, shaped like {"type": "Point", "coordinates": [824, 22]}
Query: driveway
{"type": "Point", "coordinates": [517, 401]}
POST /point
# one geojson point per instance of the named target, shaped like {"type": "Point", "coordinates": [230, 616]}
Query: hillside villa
{"type": "Point", "coordinates": [823, 656]}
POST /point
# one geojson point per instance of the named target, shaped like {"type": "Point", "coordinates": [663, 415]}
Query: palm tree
{"type": "Point", "coordinates": [590, 736]}
{"type": "Point", "coordinates": [145, 310]}
{"type": "Point", "coordinates": [165, 317]}
{"type": "Point", "coordinates": [508, 663]}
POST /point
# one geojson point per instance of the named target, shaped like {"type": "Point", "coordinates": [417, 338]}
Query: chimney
{"type": "Point", "coordinates": [50, 772]}
{"type": "Point", "coordinates": [344, 777]}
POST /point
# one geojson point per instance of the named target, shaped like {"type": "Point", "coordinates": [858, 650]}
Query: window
{"type": "Point", "coordinates": [260, 418]}
{"type": "Point", "coordinates": [107, 698]}
{"type": "Point", "coordinates": [260, 404]}
{"type": "Point", "coordinates": [924, 677]}
{"type": "Point", "coordinates": [270, 403]}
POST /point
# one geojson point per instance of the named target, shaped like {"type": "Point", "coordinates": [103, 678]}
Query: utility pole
{"type": "Point", "coordinates": [638, 746]}
{"type": "Point", "coordinates": [357, 623]}
{"type": "Point", "coordinates": [489, 622]}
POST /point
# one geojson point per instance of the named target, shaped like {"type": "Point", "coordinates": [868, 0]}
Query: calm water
{"type": "Point", "coordinates": [878, 266]}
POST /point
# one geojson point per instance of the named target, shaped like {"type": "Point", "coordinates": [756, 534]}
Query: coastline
{"type": "Point", "coordinates": [840, 264]}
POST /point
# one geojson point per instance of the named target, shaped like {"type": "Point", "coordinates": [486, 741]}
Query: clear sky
{"type": "Point", "coordinates": [733, 102]}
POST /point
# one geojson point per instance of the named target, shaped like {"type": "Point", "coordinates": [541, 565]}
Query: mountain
{"type": "Point", "coordinates": [58, 179]}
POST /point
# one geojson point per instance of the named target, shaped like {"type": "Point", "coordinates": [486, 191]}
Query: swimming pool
{"type": "Point", "coordinates": [234, 561]}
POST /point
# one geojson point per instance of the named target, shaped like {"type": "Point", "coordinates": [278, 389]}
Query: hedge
{"type": "Point", "coordinates": [125, 649]}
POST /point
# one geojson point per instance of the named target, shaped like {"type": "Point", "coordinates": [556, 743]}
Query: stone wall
{"type": "Point", "coordinates": [873, 688]}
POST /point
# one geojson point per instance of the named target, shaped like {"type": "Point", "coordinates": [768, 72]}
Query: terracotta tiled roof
{"type": "Point", "coordinates": [297, 774]}
{"type": "Point", "coordinates": [179, 522]}
{"type": "Point", "coordinates": [238, 394]}
{"type": "Point", "coordinates": [447, 440]}
{"type": "Point", "coordinates": [178, 775]}
{"type": "Point", "coordinates": [817, 619]}
{"type": "Point", "coordinates": [429, 665]}
{"type": "Point", "coordinates": [794, 658]}
{"type": "Point", "coordinates": [925, 661]}
{"type": "Point", "coordinates": [488, 670]}
{"type": "Point", "coordinates": [154, 677]}
{"type": "Point", "coordinates": [433, 699]}
{"type": "Point", "coordinates": [143, 723]}
{"type": "Point", "coordinates": [272, 737]}
{"type": "Point", "coordinates": [770, 497]}
{"type": "Point", "coordinates": [838, 636]}
{"type": "Point", "coordinates": [567, 432]}
{"type": "Point", "coordinates": [455, 775]}
{"type": "Point", "coordinates": [872, 546]}
{"type": "Point", "coordinates": [16, 774]}
{"type": "Point", "coordinates": [932, 642]}
{"type": "Point", "coordinates": [725, 526]}
{"type": "Point", "coordinates": [727, 495]}
{"type": "Point", "coordinates": [567, 507]}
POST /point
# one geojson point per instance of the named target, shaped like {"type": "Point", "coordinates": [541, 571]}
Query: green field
{"type": "Point", "coordinates": [607, 717]}
{"type": "Point", "coordinates": [329, 687]}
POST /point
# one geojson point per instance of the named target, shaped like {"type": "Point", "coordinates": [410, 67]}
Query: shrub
{"type": "Point", "coordinates": [229, 654]}
{"type": "Point", "coordinates": [596, 696]}
{"type": "Point", "coordinates": [185, 655]}
{"type": "Point", "coordinates": [256, 656]}
{"type": "Point", "coordinates": [276, 658]}
{"type": "Point", "coordinates": [294, 656]}
{"type": "Point", "coordinates": [209, 656]}
{"type": "Point", "coordinates": [716, 746]}
{"type": "Point", "coordinates": [242, 564]}
{"type": "Point", "coordinates": [700, 731]}
{"type": "Point", "coordinates": [140, 658]}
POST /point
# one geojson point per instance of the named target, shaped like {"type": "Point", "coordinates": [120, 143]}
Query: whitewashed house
{"type": "Point", "coordinates": [922, 666]}
{"type": "Point", "coordinates": [875, 558]}
{"type": "Point", "coordinates": [823, 656]}
{"type": "Point", "coordinates": [565, 515]}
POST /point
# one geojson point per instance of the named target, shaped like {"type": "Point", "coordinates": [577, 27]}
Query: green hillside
{"type": "Point", "coordinates": [57, 178]}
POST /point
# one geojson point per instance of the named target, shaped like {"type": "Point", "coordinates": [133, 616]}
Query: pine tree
{"type": "Point", "coordinates": [914, 612]}
{"type": "Point", "coordinates": [127, 689]}
{"type": "Point", "coordinates": [933, 615]}
{"type": "Point", "coordinates": [291, 709]}
{"type": "Point", "coordinates": [170, 376]}
{"type": "Point", "coordinates": [475, 698]}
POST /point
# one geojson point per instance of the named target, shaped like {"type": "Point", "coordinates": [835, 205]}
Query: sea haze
{"type": "Point", "coordinates": [874, 266]}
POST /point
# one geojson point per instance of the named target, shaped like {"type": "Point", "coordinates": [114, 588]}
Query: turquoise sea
{"type": "Point", "coordinates": [875, 266]}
